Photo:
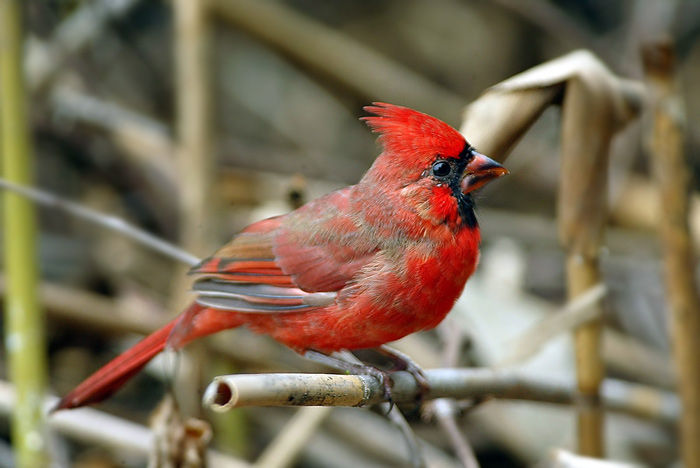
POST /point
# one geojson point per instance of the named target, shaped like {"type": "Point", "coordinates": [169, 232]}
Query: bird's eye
{"type": "Point", "coordinates": [441, 169]}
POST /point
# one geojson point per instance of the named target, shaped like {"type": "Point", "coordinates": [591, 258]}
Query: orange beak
{"type": "Point", "coordinates": [479, 171]}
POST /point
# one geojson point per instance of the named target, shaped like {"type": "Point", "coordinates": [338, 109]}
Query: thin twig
{"type": "Point", "coordinates": [110, 222]}
{"type": "Point", "coordinates": [242, 390]}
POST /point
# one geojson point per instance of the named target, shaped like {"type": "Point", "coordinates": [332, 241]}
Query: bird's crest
{"type": "Point", "coordinates": [413, 134]}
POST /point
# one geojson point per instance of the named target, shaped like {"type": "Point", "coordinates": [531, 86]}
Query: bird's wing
{"type": "Point", "coordinates": [290, 263]}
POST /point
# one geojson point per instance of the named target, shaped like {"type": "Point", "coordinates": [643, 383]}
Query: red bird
{"type": "Point", "coordinates": [357, 268]}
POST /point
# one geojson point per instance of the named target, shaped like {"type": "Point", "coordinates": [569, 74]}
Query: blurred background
{"type": "Point", "coordinates": [192, 127]}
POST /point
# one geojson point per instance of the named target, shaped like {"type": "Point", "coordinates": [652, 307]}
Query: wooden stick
{"type": "Point", "coordinates": [673, 177]}
{"type": "Point", "coordinates": [24, 319]}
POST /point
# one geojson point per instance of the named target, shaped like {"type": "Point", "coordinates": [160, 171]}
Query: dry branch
{"type": "Point", "coordinates": [243, 390]}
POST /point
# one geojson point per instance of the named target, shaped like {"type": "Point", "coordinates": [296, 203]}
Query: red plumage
{"type": "Point", "coordinates": [357, 268]}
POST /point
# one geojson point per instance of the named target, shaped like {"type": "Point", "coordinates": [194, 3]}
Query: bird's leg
{"type": "Point", "coordinates": [403, 362]}
{"type": "Point", "coordinates": [347, 362]}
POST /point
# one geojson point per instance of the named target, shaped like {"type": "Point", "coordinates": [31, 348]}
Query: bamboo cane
{"type": "Point", "coordinates": [673, 179]}
{"type": "Point", "coordinates": [24, 327]}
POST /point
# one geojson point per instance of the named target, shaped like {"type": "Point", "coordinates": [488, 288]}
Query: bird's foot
{"type": "Point", "coordinates": [402, 362]}
{"type": "Point", "coordinates": [347, 362]}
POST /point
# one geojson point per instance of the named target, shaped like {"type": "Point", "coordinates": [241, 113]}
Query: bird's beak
{"type": "Point", "coordinates": [479, 171]}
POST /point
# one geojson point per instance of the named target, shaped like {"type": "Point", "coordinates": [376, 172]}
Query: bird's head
{"type": "Point", "coordinates": [428, 162]}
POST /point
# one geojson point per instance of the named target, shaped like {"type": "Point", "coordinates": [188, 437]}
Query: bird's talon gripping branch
{"type": "Point", "coordinates": [403, 362]}
{"type": "Point", "coordinates": [344, 364]}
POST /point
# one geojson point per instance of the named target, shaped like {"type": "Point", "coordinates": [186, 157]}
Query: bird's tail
{"type": "Point", "coordinates": [195, 322]}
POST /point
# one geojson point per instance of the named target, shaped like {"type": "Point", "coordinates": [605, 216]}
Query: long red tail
{"type": "Point", "coordinates": [107, 380]}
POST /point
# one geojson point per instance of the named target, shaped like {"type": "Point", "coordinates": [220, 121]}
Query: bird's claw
{"type": "Point", "coordinates": [404, 363]}
{"type": "Point", "coordinates": [385, 382]}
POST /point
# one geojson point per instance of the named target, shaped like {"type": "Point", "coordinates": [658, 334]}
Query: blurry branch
{"type": "Point", "coordinates": [577, 312]}
{"type": "Point", "coordinates": [242, 390]}
{"type": "Point", "coordinates": [146, 142]}
{"type": "Point", "coordinates": [44, 60]}
{"type": "Point", "coordinates": [596, 104]}
{"type": "Point", "coordinates": [195, 158]}
{"type": "Point", "coordinates": [195, 164]}
{"type": "Point", "coordinates": [286, 447]}
{"type": "Point", "coordinates": [672, 176]}
{"type": "Point", "coordinates": [87, 309]}
{"type": "Point", "coordinates": [97, 428]}
{"type": "Point", "coordinates": [106, 221]}
{"type": "Point", "coordinates": [445, 410]}
{"type": "Point", "coordinates": [634, 359]}
{"type": "Point", "coordinates": [556, 23]}
{"type": "Point", "coordinates": [24, 319]}
{"type": "Point", "coordinates": [589, 121]}
{"type": "Point", "coordinates": [135, 132]}
{"type": "Point", "coordinates": [639, 207]}
{"type": "Point", "coordinates": [338, 56]}
{"type": "Point", "coordinates": [560, 458]}
{"type": "Point", "coordinates": [177, 438]}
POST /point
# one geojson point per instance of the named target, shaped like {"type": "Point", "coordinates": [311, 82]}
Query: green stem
{"type": "Point", "coordinates": [24, 330]}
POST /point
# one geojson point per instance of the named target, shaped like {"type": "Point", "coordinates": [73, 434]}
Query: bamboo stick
{"type": "Point", "coordinates": [244, 390]}
{"type": "Point", "coordinates": [24, 321]}
{"type": "Point", "coordinates": [195, 162]}
{"type": "Point", "coordinates": [589, 121]}
{"type": "Point", "coordinates": [194, 124]}
{"type": "Point", "coordinates": [673, 178]}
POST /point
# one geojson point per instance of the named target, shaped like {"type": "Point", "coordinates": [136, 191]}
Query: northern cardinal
{"type": "Point", "coordinates": [357, 268]}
